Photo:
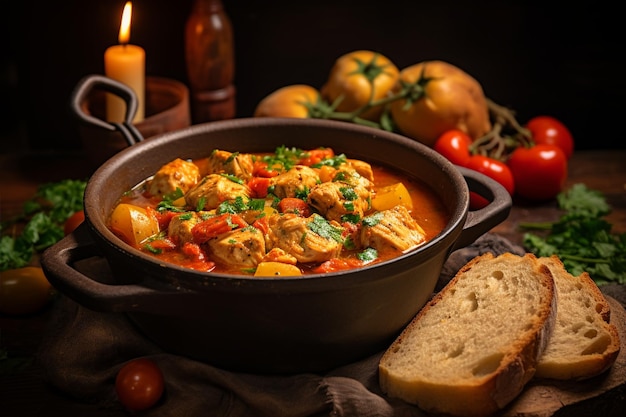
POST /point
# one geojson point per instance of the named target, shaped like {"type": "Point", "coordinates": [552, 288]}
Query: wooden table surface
{"type": "Point", "coordinates": [24, 393]}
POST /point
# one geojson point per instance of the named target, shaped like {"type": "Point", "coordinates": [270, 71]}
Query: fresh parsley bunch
{"type": "Point", "coordinates": [43, 218]}
{"type": "Point", "coordinates": [581, 238]}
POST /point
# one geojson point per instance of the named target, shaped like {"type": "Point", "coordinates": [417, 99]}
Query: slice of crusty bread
{"type": "Point", "coordinates": [474, 346]}
{"type": "Point", "coordinates": [583, 343]}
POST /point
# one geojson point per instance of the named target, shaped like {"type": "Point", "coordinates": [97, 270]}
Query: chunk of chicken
{"type": "Point", "coordinates": [279, 255]}
{"type": "Point", "coordinates": [350, 176]}
{"type": "Point", "coordinates": [179, 229]}
{"type": "Point", "coordinates": [224, 162]}
{"type": "Point", "coordinates": [336, 199]}
{"type": "Point", "coordinates": [214, 189]}
{"type": "Point", "coordinates": [362, 168]}
{"type": "Point", "coordinates": [312, 239]}
{"type": "Point", "coordinates": [175, 174]}
{"type": "Point", "coordinates": [392, 229]}
{"type": "Point", "coordinates": [299, 179]}
{"type": "Point", "coordinates": [244, 247]}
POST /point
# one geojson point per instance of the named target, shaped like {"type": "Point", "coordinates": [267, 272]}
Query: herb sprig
{"type": "Point", "coordinates": [43, 218]}
{"type": "Point", "coordinates": [581, 238]}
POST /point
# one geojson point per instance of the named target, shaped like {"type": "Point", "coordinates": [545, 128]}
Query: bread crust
{"type": "Point", "coordinates": [584, 326]}
{"type": "Point", "coordinates": [481, 395]}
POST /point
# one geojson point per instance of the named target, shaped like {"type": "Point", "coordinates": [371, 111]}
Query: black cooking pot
{"type": "Point", "coordinates": [270, 325]}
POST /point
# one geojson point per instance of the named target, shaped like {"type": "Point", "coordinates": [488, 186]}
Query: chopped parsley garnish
{"type": "Point", "coordinates": [231, 157]}
{"type": "Point", "coordinates": [334, 161]}
{"type": "Point", "coordinates": [348, 243]}
{"type": "Point", "coordinates": [201, 203]}
{"type": "Point", "coordinates": [285, 157]}
{"type": "Point", "coordinates": [581, 238]}
{"type": "Point", "coordinates": [322, 227]}
{"type": "Point", "coordinates": [239, 205]}
{"type": "Point", "coordinates": [351, 218]}
{"type": "Point", "coordinates": [167, 204]}
{"type": "Point", "coordinates": [373, 220]}
{"type": "Point", "coordinates": [368, 255]}
{"type": "Point", "coordinates": [152, 249]}
{"type": "Point", "coordinates": [233, 178]}
{"type": "Point", "coordinates": [348, 193]}
{"type": "Point", "coordinates": [186, 216]}
{"type": "Point", "coordinates": [302, 193]}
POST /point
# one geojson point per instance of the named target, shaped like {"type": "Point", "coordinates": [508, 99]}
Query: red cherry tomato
{"type": "Point", "coordinates": [547, 130]}
{"type": "Point", "coordinates": [454, 145]}
{"type": "Point", "coordinates": [477, 201]}
{"type": "Point", "coordinates": [73, 221]}
{"type": "Point", "coordinates": [139, 384]}
{"type": "Point", "coordinates": [494, 169]}
{"type": "Point", "coordinates": [540, 172]}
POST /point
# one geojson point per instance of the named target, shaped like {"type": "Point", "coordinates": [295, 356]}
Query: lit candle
{"type": "Point", "coordinates": [125, 63]}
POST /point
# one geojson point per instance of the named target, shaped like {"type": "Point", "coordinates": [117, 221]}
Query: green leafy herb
{"type": "Point", "coordinates": [167, 204]}
{"type": "Point", "coordinates": [233, 178]}
{"type": "Point", "coordinates": [581, 238]}
{"type": "Point", "coordinates": [368, 255]}
{"type": "Point", "coordinates": [322, 227]}
{"type": "Point", "coordinates": [372, 220]}
{"type": "Point", "coordinates": [239, 205]}
{"type": "Point", "coordinates": [284, 156]}
{"type": "Point", "coordinates": [334, 161]}
{"type": "Point", "coordinates": [351, 218]}
{"type": "Point", "coordinates": [302, 193]}
{"type": "Point", "coordinates": [43, 219]}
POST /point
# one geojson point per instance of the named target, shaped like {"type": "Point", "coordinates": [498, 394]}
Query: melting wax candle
{"type": "Point", "coordinates": [125, 63]}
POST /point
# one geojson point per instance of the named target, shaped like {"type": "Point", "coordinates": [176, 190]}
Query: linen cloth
{"type": "Point", "coordinates": [84, 350]}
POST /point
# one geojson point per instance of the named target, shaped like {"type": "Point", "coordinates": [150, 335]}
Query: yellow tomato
{"type": "Point", "coordinates": [451, 99]}
{"type": "Point", "coordinates": [133, 223]}
{"type": "Point", "coordinates": [392, 195]}
{"type": "Point", "coordinates": [290, 101]}
{"type": "Point", "coordinates": [276, 269]}
{"type": "Point", "coordinates": [24, 290]}
{"type": "Point", "coordinates": [358, 78]}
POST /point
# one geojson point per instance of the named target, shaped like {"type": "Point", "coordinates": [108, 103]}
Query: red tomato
{"type": "Point", "coordinates": [454, 145]}
{"type": "Point", "coordinates": [139, 384]}
{"type": "Point", "coordinates": [337, 264]}
{"type": "Point", "coordinates": [477, 201]}
{"type": "Point", "coordinates": [540, 172]}
{"type": "Point", "coordinates": [494, 169]}
{"type": "Point", "coordinates": [215, 226]}
{"type": "Point", "coordinates": [73, 221]}
{"type": "Point", "coordinates": [315, 156]}
{"type": "Point", "coordinates": [547, 130]}
{"type": "Point", "coordinates": [259, 186]}
{"type": "Point", "coordinates": [294, 205]}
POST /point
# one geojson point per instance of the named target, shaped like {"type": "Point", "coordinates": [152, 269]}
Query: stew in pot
{"type": "Point", "coordinates": [287, 213]}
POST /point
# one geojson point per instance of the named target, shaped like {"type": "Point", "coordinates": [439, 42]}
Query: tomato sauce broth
{"type": "Point", "coordinates": [428, 210]}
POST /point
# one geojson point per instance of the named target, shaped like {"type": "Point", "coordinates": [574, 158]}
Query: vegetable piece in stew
{"type": "Point", "coordinates": [287, 213]}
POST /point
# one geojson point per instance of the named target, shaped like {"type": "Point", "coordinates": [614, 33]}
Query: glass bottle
{"type": "Point", "coordinates": [210, 61]}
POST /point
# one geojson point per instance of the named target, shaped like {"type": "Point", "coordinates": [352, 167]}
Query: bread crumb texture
{"type": "Point", "coordinates": [472, 348]}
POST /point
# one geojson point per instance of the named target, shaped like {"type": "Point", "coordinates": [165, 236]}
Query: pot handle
{"type": "Point", "coordinates": [58, 264]}
{"type": "Point", "coordinates": [91, 82]}
{"type": "Point", "coordinates": [481, 221]}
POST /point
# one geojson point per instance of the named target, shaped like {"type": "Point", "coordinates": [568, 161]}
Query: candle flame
{"type": "Point", "coordinates": [124, 36]}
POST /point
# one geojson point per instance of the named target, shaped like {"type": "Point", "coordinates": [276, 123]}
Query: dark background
{"type": "Point", "coordinates": [535, 58]}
